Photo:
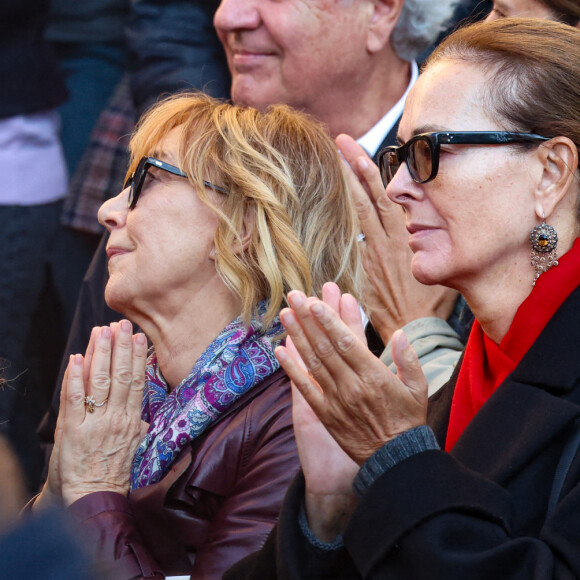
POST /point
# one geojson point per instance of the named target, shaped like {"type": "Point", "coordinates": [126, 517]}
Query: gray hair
{"type": "Point", "coordinates": [419, 25]}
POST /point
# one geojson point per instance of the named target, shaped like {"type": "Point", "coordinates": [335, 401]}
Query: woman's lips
{"type": "Point", "coordinates": [418, 233]}
{"type": "Point", "coordinates": [114, 251]}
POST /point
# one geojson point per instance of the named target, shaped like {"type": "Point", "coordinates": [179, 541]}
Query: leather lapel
{"type": "Point", "coordinates": [439, 407]}
{"type": "Point", "coordinates": [186, 457]}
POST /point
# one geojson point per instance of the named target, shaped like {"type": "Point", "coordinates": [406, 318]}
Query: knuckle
{"type": "Point", "coordinates": [304, 384]}
{"type": "Point", "coordinates": [384, 204]}
{"type": "Point", "coordinates": [314, 364]}
{"type": "Point", "coordinates": [362, 207]}
{"type": "Point", "coordinates": [373, 376]}
{"type": "Point", "coordinates": [101, 380]}
{"type": "Point", "coordinates": [345, 343]}
{"type": "Point", "coordinates": [124, 376]}
{"type": "Point", "coordinates": [324, 348]}
{"type": "Point", "coordinates": [138, 381]}
{"type": "Point", "coordinates": [77, 398]}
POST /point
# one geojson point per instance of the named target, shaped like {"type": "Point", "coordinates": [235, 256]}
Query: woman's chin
{"type": "Point", "coordinates": [424, 271]}
{"type": "Point", "coordinates": [116, 299]}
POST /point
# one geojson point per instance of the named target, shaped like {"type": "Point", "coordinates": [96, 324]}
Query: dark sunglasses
{"type": "Point", "coordinates": [137, 178]}
{"type": "Point", "coordinates": [421, 153]}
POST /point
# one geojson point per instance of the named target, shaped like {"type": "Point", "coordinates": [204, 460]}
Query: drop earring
{"type": "Point", "coordinates": [543, 241]}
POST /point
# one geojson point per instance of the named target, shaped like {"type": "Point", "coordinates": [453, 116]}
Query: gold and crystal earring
{"type": "Point", "coordinates": [544, 241]}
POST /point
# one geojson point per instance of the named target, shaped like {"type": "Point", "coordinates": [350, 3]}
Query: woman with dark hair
{"type": "Point", "coordinates": [482, 481]}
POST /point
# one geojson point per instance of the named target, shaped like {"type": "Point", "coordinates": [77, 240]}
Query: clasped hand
{"type": "Point", "coordinates": [346, 402]}
{"type": "Point", "coordinates": [357, 398]}
{"type": "Point", "coordinates": [99, 424]}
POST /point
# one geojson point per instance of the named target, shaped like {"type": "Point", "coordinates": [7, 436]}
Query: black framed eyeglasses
{"type": "Point", "coordinates": [137, 179]}
{"type": "Point", "coordinates": [421, 153]}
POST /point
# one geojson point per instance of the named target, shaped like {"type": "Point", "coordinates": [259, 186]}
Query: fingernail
{"type": "Point", "coordinates": [126, 326]}
{"type": "Point", "coordinates": [296, 298]}
{"type": "Point", "coordinates": [287, 317]}
{"type": "Point", "coordinates": [140, 338]}
{"type": "Point", "coordinates": [78, 359]}
{"type": "Point", "coordinates": [316, 309]}
{"type": "Point", "coordinates": [281, 354]}
{"type": "Point", "coordinates": [106, 332]}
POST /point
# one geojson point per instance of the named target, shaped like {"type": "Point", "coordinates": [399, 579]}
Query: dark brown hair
{"type": "Point", "coordinates": [533, 67]}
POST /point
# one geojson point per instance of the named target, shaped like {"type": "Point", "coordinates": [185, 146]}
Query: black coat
{"type": "Point", "coordinates": [478, 512]}
{"type": "Point", "coordinates": [174, 48]}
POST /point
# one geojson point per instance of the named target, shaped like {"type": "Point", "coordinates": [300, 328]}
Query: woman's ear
{"type": "Point", "coordinates": [242, 243]}
{"type": "Point", "coordinates": [559, 157]}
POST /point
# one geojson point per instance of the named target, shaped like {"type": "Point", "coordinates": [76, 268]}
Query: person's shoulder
{"type": "Point", "coordinates": [263, 410]}
{"type": "Point", "coordinates": [275, 395]}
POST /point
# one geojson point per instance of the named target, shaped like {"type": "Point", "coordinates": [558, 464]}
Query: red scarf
{"type": "Point", "coordinates": [486, 364]}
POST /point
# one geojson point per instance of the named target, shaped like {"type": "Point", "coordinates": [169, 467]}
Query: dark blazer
{"type": "Point", "coordinates": [174, 48]}
{"type": "Point", "coordinates": [216, 504]}
{"type": "Point", "coordinates": [479, 512]}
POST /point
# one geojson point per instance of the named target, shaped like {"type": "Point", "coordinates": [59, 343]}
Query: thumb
{"type": "Point", "coordinates": [408, 367]}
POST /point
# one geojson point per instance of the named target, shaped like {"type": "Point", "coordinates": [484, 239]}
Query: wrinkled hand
{"type": "Point", "coordinates": [393, 296]}
{"type": "Point", "coordinates": [328, 470]}
{"type": "Point", "coordinates": [357, 398]}
{"type": "Point", "coordinates": [93, 451]}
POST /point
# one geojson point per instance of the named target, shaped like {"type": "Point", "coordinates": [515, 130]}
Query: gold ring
{"type": "Point", "coordinates": [91, 403]}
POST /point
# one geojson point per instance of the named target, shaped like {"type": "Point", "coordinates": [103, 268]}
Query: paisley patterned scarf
{"type": "Point", "coordinates": [237, 360]}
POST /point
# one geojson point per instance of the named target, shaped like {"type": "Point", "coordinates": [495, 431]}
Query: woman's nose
{"type": "Point", "coordinates": [402, 187]}
{"type": "Point", "coordinates": [113, 213]}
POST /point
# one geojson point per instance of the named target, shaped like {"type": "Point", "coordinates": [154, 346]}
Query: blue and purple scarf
{"type": "Point", "coordinates": [237, 360]}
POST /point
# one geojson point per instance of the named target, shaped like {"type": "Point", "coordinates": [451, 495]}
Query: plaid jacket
{"type": "Point", "coordinates": [101, 171]}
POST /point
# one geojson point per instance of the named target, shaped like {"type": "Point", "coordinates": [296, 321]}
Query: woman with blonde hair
{"type": "Point", "coordinates": [225, 210]}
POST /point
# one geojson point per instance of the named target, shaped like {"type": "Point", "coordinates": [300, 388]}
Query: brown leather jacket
{"type": "Point", "coordinates": [217, 503]}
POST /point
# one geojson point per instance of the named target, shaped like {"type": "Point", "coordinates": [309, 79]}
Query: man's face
{"type": "Point", "coordinates": [298, 52]}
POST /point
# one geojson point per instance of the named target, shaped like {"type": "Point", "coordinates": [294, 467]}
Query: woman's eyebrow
{"type": "Point", "coordinates": [429, 128]}
{"type": "Point", "coordinates": [420, 130]}
{"type": "Point", "coordinates": [164, 155]}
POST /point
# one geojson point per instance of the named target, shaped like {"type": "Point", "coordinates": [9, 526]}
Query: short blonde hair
{"type": "Point", "coordinates": [283, 174]}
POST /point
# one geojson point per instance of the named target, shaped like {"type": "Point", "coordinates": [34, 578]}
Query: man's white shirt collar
{"type": "Point", "coordinates": [371, 141]}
